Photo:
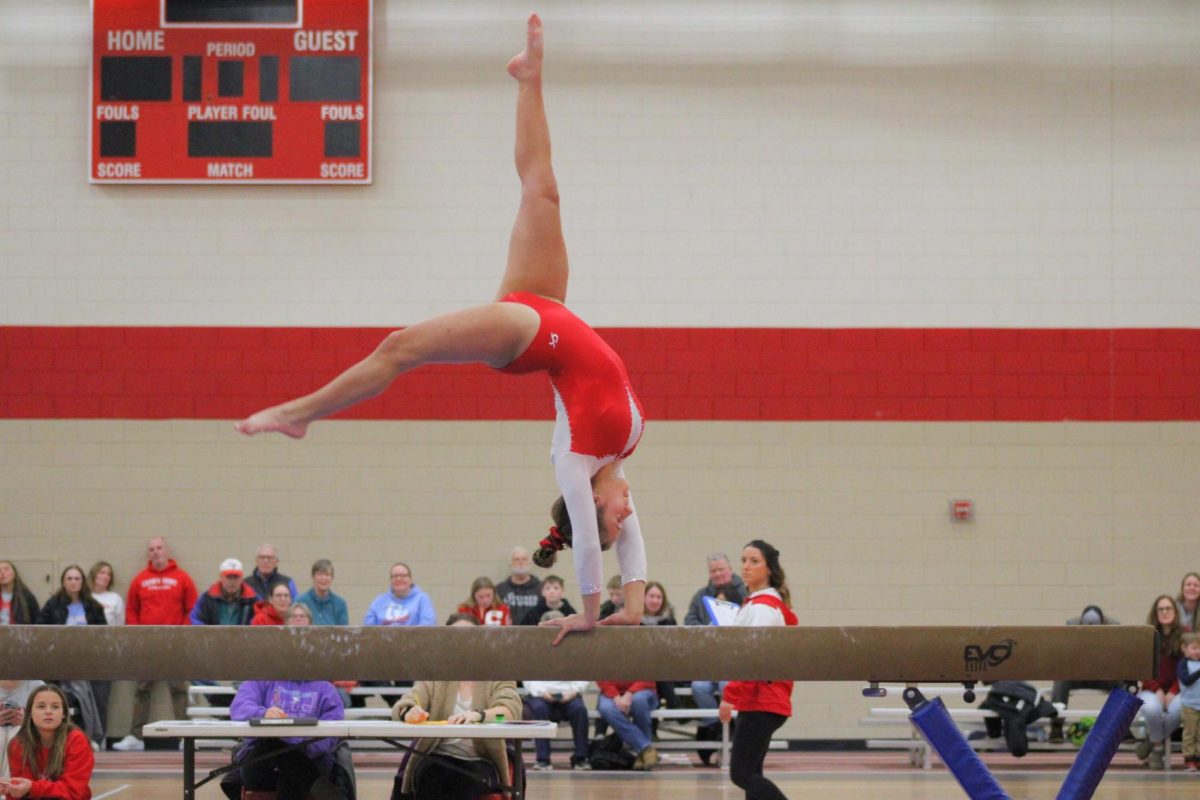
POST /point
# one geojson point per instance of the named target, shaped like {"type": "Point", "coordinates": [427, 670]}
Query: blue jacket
{"type": "Point", "coordinates": [330, 611]}
{"type": "Point", "coordinates": [416, 609]}
{"type": "Point", "coordinates": [1189, 683]}
{"type": "Point", "coordinates": [211, 605]}
{"type": "Point", "coordinates": [297, 699]}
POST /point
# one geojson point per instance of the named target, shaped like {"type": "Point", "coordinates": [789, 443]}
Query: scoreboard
{"type": "Point", "coordinates": [231, 91]}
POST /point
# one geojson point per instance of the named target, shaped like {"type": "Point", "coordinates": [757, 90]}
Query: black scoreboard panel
{"type": "Point", "coordinates": [229, 139]}
{"type": "Point", "coordinates": [135, 78]}
{"type": "Point", "coordinates": [230, 11]}
{"type": "Point", "coordinates": [325, 78]}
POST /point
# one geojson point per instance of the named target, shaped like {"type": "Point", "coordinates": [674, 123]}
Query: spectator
{"type": "Point", "coordinates": [273, 611]}
{"type": "Point", "coordinates": [559, 701]}
{"type": "Point", "coordinates": [552, 600]}
{"type": "Point", "coordinates": [1188, 599]}
{"type": "Point", "coordinates": [301, 614]}
{"type": "Point", "coordinates": [101, 578]}
{"type": "Point", "coordinates": [18, 606]}
{"type": "Point", "coordinates": [1160, 696]}
{"type": "Point", "coordinates": [100, 581]}
{"type": "Point", "coordinates": [626, 707]}
{"type": "Point", "coordinates": [474, 764]}
{"type": "Point", "coordinates": [229, 601]}
{"type": "Point", "coordinates": [521, 590]}
{"type": "Point", "coordinates": [266, 573]}
{"type": "Point", "coordinates": [73, 604]}
{"type": "Point", "coordinates": [266, 764]}
{"type": "Point", "coordinates": [327, 608]}
{"type": "Point", "coordinates": [658, 609]}
{"type": "Point", "coordinates": [1060, 695]}
{"type": "Point", "coordinates": [13, 697]}
{"type": "Point", "coordinates": [616, 597]}
{"type": "Point", "coordinates": [161, 594]}
{"type": "Point", "coordinates": [403, 604]}
{"type": "Point", "coordinates": [722, 585]}
{"type": "Point", "coordinates": [483, 604]}
{"type": "Point", "coordinates": [762, 706]}
{"type": "Point", "coordinates": [1188, 672]}
{"type": "Point", "coordinates": [49, 757]}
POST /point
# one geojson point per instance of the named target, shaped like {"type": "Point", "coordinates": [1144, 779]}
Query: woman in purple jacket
{"type": "Point", "coordinates": [290, 774]}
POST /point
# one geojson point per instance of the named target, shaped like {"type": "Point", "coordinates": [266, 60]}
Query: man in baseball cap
{"type": "Point", "coordinates": [229, 601]}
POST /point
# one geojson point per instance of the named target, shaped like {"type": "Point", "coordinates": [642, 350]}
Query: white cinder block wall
{"type": "Point", "coordinates": [885, 164]}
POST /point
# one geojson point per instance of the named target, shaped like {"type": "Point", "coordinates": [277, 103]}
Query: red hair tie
{"type": "Point", "coordinates": [555, 541]}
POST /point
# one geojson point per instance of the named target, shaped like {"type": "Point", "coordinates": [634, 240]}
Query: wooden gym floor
{"type": "Point", "coordinates": [802, 776]}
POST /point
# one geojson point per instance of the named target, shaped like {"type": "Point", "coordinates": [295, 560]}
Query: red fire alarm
{"type": "Point", "coordinates": [962, 510]}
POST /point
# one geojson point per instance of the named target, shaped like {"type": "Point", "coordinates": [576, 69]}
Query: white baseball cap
{"type": "Point", "coordinates": [231, 566]}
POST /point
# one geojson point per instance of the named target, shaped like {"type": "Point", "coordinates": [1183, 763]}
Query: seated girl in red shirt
{"type": "Point", "coordinates": [483, 604]}
{"type": "Point", "coordinates": [50, 756]}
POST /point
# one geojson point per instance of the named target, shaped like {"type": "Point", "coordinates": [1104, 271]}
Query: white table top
{"type": "Point", "coordinates": [351, 729]}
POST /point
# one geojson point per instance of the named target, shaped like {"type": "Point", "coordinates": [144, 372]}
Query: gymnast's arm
{"type": "Point", "coordinates": [631, 555]}
{"type": "Point", "coordinates": [573, 472]}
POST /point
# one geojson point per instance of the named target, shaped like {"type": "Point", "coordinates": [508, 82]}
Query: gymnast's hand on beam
{"type": "Point", "coordinates": [725, 711]}
{"type": "Point", "coordinates": [623, 617]}
{"type": "Point", "coordinates": [575, 622]}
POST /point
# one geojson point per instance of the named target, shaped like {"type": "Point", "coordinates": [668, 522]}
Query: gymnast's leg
{"type": "Point", "coordinates": [494, 334]}
{"type": "Point", "coordinates": [537, 255]}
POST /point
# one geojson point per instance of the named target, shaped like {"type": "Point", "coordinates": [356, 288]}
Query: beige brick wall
{"type": "Point", "coordinates": [1067, 514]}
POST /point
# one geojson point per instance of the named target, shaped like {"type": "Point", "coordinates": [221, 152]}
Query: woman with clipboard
{"type": "Point", "coordinates": [762, 706]}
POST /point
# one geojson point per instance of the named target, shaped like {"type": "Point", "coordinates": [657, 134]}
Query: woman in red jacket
{"type": "Point", "coordinates": [273, 610]}
{"type": "Point", "coordinates": [50, 756]}
{"type": "Point", "coordinates": [762, 706]}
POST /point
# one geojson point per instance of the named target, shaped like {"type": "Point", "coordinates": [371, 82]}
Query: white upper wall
{"type": "Point", "coordinates": [892, 163]}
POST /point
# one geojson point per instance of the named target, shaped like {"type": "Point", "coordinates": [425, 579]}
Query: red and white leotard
{"type": "Point", "coordinates": [597, 413]}
{"type": "Point", "coordinates": [598, 420]}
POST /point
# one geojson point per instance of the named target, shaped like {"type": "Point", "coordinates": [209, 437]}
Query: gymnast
{"type": "Point", "coordinates": [528, 329]}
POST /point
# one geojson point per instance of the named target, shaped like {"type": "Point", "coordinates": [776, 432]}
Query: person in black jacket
{"type": "Point", "coordinates": [18, 606]}
{"type": "Point", "coordinates": [229, 601]}
{"type": "Point", "coordinates": [73, 604]}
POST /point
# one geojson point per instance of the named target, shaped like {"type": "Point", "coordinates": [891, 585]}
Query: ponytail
{"type": "Point", "coordinates": [559, 537]}
{"type": "Point", "coordinates": [560, 534]}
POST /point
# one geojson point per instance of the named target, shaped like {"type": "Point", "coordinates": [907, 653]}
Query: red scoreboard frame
{"type": "Point", "coordinates": [231, 91]}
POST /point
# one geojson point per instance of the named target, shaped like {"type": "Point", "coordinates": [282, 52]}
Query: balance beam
{"type": "Point", "coordinates": [899, 654]}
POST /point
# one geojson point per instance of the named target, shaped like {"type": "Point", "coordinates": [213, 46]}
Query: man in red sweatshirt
{"type": "Point", "coordinates": [161, 594]}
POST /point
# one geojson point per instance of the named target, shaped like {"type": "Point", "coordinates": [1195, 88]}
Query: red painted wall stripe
{"type": "Point", "coordinates": [911, 374]}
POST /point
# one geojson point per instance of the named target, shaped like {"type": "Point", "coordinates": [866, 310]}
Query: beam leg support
{"type": "Point", "coordinates": [1100, 746]}
{"type": "Point", "coordinates": [933, 721]}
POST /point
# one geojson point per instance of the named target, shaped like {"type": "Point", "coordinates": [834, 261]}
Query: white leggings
{"type": "Point", "coordinates": [1159, 723]}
